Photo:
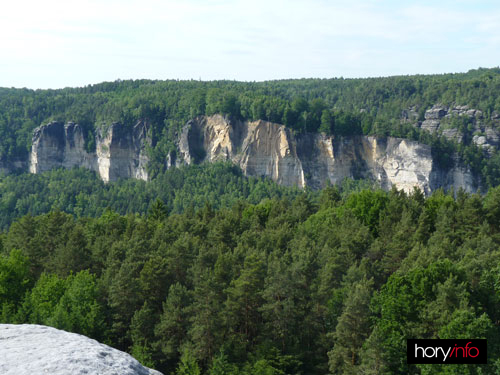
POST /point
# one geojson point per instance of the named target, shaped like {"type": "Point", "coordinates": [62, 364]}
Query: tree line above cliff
{"type": "Point", "coordinates": [287, 286]}
{"type": "Point", "coordinates": [335, 106]}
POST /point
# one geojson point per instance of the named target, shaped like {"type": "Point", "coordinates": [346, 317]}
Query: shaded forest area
{"type": "Point", "coordinates": [291, 285]}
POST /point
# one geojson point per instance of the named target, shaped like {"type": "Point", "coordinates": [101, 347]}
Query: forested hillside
{"type": "Point", "coordinates": [335, 106]}
{"type": "Point", "coordinates": [202, 270]}
{"type": "Point", "coordinates": [286, 286]}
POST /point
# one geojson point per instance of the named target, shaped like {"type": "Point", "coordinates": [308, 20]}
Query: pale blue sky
{"type": "Point", "coordinates": [53, 44]}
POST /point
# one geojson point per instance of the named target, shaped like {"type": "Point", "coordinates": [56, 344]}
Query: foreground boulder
{"type": "Point", "coordinates": [34, 349]}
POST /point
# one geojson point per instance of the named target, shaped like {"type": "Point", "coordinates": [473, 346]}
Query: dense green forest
{"type": "Point", "coordinates": [81, 192]}
{"type": "Point", "coordinates": [296, 284]}
{"type": "Point", "coordinates": [205, 271]}
{"type": "Point", "coordinates": [334, 106]}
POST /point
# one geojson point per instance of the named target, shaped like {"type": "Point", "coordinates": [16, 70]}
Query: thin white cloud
{"type": "Point", "coordinates": [54, 43]}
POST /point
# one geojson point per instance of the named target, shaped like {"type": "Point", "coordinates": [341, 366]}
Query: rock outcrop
{"type": "Point", "coordinates": [262, 148]}
{"type": "Point", "coordinates": [120, 152]}
{"type": "Point", "coordinates": [259, 148]}
{"type": "Point", "coordinates": [265, 149]}
{"type": "Point", "coordinates": [439, 119]}
{"type": "Point", "coordinates": [59, 145]}
{"type": "Point", "coordinates": [32, 349]}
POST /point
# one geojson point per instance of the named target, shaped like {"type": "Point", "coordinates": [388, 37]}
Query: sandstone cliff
{"type": "Point", "coordinates": [259, 148]}
{"type": "Point", "coordinates": [120, 152]}
{"type": "Point", "coordinates": [440, 119]}
{"type": "Point", "coordinates": [262, 148]}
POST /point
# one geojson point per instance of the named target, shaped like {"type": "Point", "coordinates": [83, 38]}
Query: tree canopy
{"type": "Point", "coordinates": [299, 284]}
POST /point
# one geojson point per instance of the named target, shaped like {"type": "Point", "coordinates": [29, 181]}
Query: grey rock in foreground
{"type": "Point", "coordinates": [28, 349]}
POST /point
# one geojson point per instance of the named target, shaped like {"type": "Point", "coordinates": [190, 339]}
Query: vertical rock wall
{"type": "Point", "coordinates": [262, 148]}
{"type": "Point", "coordinates": [120, 152]}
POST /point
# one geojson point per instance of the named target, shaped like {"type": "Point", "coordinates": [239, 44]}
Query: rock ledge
{"type": "Point", "coordinates": [28, 349]}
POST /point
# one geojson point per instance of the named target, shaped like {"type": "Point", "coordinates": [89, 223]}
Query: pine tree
{"type": "Point", "coordinates": [353, 328]}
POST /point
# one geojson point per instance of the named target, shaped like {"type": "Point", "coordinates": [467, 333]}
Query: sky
{"type": "Point", "coordinates": [55, 44]}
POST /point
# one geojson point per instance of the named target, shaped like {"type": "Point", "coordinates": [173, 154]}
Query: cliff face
{"type": "Point", "coordinates": [59, 145]}
{"type": "Point", "coordinates": [260, 148]}
{"type": "Point", "coordinates": [120, 152]}
{"type": "Point", "coordinates": [439, 119]}
{"type": "Point", "coordinates": [265, 149]}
